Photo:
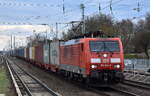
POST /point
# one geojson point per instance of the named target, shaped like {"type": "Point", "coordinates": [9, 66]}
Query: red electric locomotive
{"type": "Point", "coordinates": [97, 60]}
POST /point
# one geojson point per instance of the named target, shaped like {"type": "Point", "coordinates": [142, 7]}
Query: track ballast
{"type": "Point", "coordinates": [27, 83]}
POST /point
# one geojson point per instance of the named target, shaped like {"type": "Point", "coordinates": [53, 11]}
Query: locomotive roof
{"type": "Point", "coordinates": [77, 41]}
{"type": "Point", "coordinates": [70, 42]}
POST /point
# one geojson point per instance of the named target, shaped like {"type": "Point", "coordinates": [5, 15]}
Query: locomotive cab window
{"type": "Point", "coordinates": [104, 46]}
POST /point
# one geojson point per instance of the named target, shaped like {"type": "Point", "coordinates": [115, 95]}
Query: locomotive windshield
{"type": "Point", "coordinates": [104, 46]}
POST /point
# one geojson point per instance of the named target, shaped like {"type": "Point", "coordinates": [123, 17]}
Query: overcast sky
{"type": "Point", "coordinates": [37, 12]}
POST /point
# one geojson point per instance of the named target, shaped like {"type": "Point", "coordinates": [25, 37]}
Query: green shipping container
{"type": "Point", "coordinates": [46, 53]}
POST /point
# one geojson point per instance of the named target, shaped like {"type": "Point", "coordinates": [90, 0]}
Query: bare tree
{"type": "Point", "coordinates": [37, 38]}
{"type": "Point", "coordinates": [100, 22]}
{"type": "Point", "coordinates": [134, 36]}
{"type": "Point", "coordinates": [125, 30]}
{"type": "Point", "coordinates": [142, 38]}
{"type": "Point", "coordinates": [142, 42]}
{"type": "Point", "coordinates": [92, 24]}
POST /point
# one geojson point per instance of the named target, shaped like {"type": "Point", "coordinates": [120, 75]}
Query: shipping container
{"type": "Point", "coordinates": [20, 52]}
{"type": "Point", "coordinates": [46, 53]}
{"type": "Point", "coordinates": [15, 52]}
{"type": "Point", "coordinates": [30, 52]}
{"type": "Point", "coordinates": [39, 53]}
{"type": "Point", "coordinates": [33, 53]}
{"type": "Point", "coordinates": [27, 52]}
{"type": "Point", "coordinates": [54, 53]}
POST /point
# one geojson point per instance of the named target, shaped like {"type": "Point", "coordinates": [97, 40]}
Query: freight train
{"type": "Point", "coordinates": [95, 61]}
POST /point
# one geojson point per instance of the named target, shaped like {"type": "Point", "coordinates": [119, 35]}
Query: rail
{"type": "Point", "coordinates": [27, 83]}
{"type": "Point", "coordinates": [123, 91]}
{"type": "Point", "coordinates": [141, 85]}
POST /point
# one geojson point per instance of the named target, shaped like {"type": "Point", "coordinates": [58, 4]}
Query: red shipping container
{"type": "Point", "coordinates": [39, 53]}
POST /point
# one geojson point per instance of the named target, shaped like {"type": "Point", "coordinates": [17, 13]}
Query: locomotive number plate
{"type": "Point", "coordinates": [105, 65]}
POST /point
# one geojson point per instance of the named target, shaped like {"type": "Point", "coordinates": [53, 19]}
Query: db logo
{"type": "Point", "coordinates": [105, 60]}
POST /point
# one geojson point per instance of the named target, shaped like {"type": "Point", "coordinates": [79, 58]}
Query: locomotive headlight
{"type": "Point", "coordinates": [115, 60]}
{"type": "Point", "coordinates": [117, 66]}
{"type": "Point", "coordinates": [93, 66]}
{"type": "Point", "coordinates": [95, 60]}
{"type": "Point", "coordinates": [105, 55]}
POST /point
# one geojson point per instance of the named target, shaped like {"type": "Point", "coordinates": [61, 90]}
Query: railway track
{"type": "Point", "coordinates": [140, 85]}
{"type": "Point", "coordinates": [101, 92]}
{"type": "Point", "coordinates": [1, 59]}
{"type": "Point", "coordinates": [123, 92]}
{"type": "Point", "coordinates": [111, 91]}
{"type": "Point", "coordinates": [26, 84]}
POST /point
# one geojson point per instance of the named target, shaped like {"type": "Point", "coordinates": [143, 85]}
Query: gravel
{"type": "Point", "coordinates": [134, 90]}
{"type": "Point", "coordinates": [137, 77]}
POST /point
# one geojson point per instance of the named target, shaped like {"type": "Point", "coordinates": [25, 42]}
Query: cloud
{"type": "Point", "coordinates": [4, 41]}
{"type": "Point", "coordinates": [22, 29]}
{"type": "Point", "coordinates": [20, 32]}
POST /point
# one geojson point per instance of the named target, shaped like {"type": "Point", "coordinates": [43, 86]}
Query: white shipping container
{"type": "Point", "coordinates": [54, 53]}
{"type": "Point", "coordinates": [30, 52]}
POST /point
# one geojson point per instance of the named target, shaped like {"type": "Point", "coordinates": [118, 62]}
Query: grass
{"type": "Point", "coordinates": [4, 81]}
{"type": "Point", "coordinates": [130, 56]}
{"type": "Point", "coordinates": [133, 56]}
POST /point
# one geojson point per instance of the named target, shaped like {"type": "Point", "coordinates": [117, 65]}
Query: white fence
{"type": "Point", "coordinates": [139, 64]}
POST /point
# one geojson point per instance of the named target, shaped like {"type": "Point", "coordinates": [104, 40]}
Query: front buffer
{"type": "Point", "coordinates": [105, 77]}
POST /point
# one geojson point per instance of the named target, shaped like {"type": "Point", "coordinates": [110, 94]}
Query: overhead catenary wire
{"type": "Point", "coordinates": [112, 2]}
{"type": "Point", "coordinates": [26, 17]}
{"type": "Point", "coordinates": [32, 4]}
{"type": "Point", "coordinates": [108, 6]}
{"type": "Point", "coordinates": [100, 8]}
{"type": "Point", "coordinates": [22, 23]}
{"type": "Point", "coordinates": [70, 11]}
{"type": "Point", "coordinates": [27, 4]}
{"type": "Point", "coordinates": [88, 1]}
